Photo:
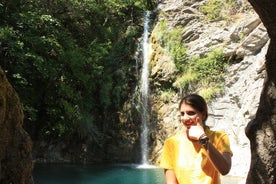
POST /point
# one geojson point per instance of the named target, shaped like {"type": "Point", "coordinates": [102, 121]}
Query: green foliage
{"type": "Point", "coordinates": [216, 10]}
{"type": "Point", "coordinates": [206, 74]}
{"type": "Point", "coordinates": [167, 95]}
{"type": "Point", "coordinates": [171, 40]}
{"type": "Point", "coordinates": [210, 68]}
{"type": "Point", "coordinates": [87, 128]}
{"type": "Point", "coordinates": [213, 10]}
{"type": "Point", "coordinates": [203, 73]}
{"type": "Point", "coordinates": [69, 61]}
{"type": "Point", "coordinates": [208, 92]}
{"type": "Point", "coordinates": [143, 4]}
{"type": "Point", "coordinates": [183, 81]}
{"type": "Point", "coordinates": [210, 72]}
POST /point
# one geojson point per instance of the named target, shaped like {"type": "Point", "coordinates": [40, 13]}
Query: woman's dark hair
{"type": "Point", "coordinates": [197, 102]}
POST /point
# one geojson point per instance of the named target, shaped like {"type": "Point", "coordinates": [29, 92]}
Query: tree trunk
{"type": "Point", "coordinates": [262, 130]}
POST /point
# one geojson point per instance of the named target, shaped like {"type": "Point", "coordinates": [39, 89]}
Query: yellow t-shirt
{"type": "Point", "coordinates": [189, 159]}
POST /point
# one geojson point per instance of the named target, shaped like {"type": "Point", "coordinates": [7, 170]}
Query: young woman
{"type": "Point", "coordinates": [197, 155]}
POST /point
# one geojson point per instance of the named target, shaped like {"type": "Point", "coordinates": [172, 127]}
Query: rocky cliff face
{"type": "Point", "coordinates": [244, 38]}
{"type": "Point", "coordinates": [15, 144]}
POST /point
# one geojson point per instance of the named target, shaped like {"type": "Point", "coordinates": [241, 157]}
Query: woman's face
{"type": "Point", "coordinates": [190, 116]}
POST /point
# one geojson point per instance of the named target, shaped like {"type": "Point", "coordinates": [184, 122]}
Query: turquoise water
{"type": "Point", "coordinates": [105, 174]}
{"type": "Point", "coordinates": [98, 174]}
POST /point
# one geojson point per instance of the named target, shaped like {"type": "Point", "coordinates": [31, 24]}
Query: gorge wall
{"type": "Point", "coordinates": [15, 144]}
{"type": "Point", "coordinates": [242, 37]}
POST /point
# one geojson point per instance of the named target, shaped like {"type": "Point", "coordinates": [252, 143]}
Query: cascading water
{"type": "Point", "coordinates": [145, 91]}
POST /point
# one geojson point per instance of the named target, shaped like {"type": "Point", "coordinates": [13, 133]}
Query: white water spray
{"type": "Point", "coordinates": [145, 91]}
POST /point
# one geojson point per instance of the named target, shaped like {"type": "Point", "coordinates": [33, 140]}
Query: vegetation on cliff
{"type": "Point", "coordinates": [204, 74]}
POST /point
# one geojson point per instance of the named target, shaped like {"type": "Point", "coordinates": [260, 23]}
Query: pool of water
{"type": "Point", "coordinates": [104, 174]}
{"type": "Point", "coordinates": [98, 174]}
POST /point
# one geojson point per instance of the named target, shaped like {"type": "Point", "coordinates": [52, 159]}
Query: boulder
{"type": "Point", "coordinates": [15, 143]}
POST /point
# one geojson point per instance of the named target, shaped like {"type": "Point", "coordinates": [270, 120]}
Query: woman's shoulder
{"type": "Point", "coordinates": [216, 133]}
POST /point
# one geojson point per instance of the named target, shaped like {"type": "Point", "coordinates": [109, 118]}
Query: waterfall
{"type": "Point", "coordinates": [145, 91]}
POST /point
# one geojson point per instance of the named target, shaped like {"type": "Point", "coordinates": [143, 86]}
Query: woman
{"type": "Point", "coordinates": [197, 155]}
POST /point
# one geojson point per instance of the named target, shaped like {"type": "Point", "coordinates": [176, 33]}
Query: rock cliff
{"type": "Point", "coordinates": [242, 37]}
{"type": "Point", "coordinates": [15, 144]}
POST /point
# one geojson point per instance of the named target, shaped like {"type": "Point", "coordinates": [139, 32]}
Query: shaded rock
{"type": "Point", "coordinates": [15, 144]}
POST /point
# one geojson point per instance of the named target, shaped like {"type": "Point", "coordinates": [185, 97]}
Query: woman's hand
{"type": "Point", "coordinates": [195, 131]}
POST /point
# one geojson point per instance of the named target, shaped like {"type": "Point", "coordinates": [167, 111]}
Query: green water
{"type": "Point", "coordinates": [105, 174]}
{"type": "Point", "coordinates": [98, 174]}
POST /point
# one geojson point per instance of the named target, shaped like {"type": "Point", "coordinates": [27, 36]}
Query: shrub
{"type": "Point", "coordinates": [203, 74]}
{"type": "Point", "coordinates": [216, 10]}
{"type": "Point", "coordinates": [182, 83]}
{"type": "Point", "coordinates": [171, 40]}
{"type": "Point", "coordinates": [167, 95]}
{"type": "Point", "coordinates": [210, 72]}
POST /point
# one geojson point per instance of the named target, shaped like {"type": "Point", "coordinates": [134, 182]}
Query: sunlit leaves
{"type": "Point", "coordinates": [69, 61]}
{"type": "Point", "coordinates": [171, 40]}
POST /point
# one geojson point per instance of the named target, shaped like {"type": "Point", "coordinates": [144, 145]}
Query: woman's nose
{"type": "Point", "coordinates": [184, 117]}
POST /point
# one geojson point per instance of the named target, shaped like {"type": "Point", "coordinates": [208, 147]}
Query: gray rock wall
{"type": "Point", "coordinates": [238, 106]}
{"type": "Point", "coordinates": [244, 38]}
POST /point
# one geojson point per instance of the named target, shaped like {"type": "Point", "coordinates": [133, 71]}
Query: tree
{"type": "Point", "coordinates": [262, 130]}
{"type": "Point", "coordinates": [70, 61]}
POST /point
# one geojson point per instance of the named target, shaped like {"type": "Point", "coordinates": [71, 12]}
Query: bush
{"type": "Point", "coordinates": [210, 68]}
{"type": "Point", "coordinates": [171, 40]}
{"type": "Point", "coordinates": [203, 74]}
{"type": "Point", "coordinates": [182, 83]}
{"type": "Point", "coordinates": [167, 95]}
{"type": "Point", "coordinates": [216, 10]}
{"type": "Point", "coordinates": [210, 72]}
